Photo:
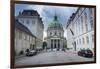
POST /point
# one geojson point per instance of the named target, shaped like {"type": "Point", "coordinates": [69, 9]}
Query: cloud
{"type": "Point", "coordinates": [44, 34]}
{"type": "Point", "coordinates": [47, 13]}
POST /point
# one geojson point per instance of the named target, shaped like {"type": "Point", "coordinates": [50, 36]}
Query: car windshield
{"type": "Point", "coordinates": [88, 51]}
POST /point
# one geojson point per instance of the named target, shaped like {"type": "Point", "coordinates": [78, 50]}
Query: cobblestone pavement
{"type": "Point", "coordinates": [50, 57]}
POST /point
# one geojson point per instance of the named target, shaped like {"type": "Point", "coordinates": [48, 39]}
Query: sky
{"type": "Point", "coordinates": [47, 13]}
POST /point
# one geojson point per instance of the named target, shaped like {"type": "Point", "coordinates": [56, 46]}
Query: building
{"type": "Point", "coordinates": [32, 20]}
{"type": "Point", "coordinates": [80, 29]}
{"type": "Point", "coordinates": [55, 35]}
{"type": "Point", "coordinates": [24, 39]}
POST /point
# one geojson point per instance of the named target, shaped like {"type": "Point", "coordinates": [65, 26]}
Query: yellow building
{"type": "Point", "coordinates": [24, 39]}
{"type": "Point", "coordinates": [32, 20]}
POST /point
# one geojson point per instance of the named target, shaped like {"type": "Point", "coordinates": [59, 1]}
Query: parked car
{"type": "Point", "coordinates": [31, 53]}
{"type": "Point", "coordinates": [85, 53]}
{"type": "Point", "coordinates": [57, 49]}
{"type": "Point", "coordinates": [63, 49]}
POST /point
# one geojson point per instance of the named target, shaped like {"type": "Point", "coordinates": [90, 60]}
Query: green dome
{"type": "Point", "coordinates": [55, 24]}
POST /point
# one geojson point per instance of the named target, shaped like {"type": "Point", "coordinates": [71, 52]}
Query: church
{"type": "Point", "coordinates": [55, 35]}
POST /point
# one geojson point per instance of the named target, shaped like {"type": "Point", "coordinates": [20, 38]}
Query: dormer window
{"type": "Point", "coordinates": [55, 33]}
{"type": "Point", "coordinates": [50, 33]}
{"type": "Point", "coordinates": [29, 13]}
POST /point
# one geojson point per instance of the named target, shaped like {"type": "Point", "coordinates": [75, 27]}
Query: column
{"type": "Point", "coordinates": [60, 44]}
{"type": "Point", "coordinates": [56, 43]}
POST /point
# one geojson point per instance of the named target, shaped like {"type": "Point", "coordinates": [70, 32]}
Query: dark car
{"type": "Point", "coordinates": [57, 49]}
{"type": "Point", "coordinates": [81, 52]}
{"type": "Point", "coordinates": [31, 53]}
{"type": "Point", "coordinates": [89, 53]}
{"type": "Point", "coordinates": [85, 53]}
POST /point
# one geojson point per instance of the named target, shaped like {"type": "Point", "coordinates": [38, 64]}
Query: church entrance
{"type": "Point", "coordinates": [55, 43]}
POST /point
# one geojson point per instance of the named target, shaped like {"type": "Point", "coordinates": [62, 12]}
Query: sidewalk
{"type": "Point", "coordinates": [16, 57]}
{"type": "Point", "coordinates": [71, 51]}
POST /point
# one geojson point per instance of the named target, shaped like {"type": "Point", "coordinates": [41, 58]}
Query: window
{"type": "Point", "coordinates": [91, 23]}
{"type": "Point", "coordinates": [29, 13]}
{"type": "Point", "coordinates": [23, 21]}
{"type": "Point", "coordinates": [82, 22]}
{"type": "Point", "coordinates": [87, 38]}
{"type": "Point", "coordinates": [59, 33]}
{"type": "Point", "coordinates": [85, 14]}
{"type": "Point", "coordinates": [55, 33]}
{"type": "Point", "coordinates": [30, 38]}
{"type": "Point", "coordinates": [27, 21]}
{"type": "Point", "coordinates": [50, 33]}
{"type": "Point", "coordinates": [90, 9]}
{"type": "Point", "coordinates": [20, 35]}
{"type": "Point", "coordinates": [83, 40]}
{"type": "Point", "coordinates": [92, 38]}
{"type": "Point", "coordinates": [79, 25]}
{"type": "Point", "coordinates": [25, 37]}
{"type": "Point", "coordinates": [91, 17]}
{"type": "Point", "coordinates": [33, 21]}
{"type": "Point", "coordinates": [80, 41]}
{"type": "Point", "coordinates": [82, 19]}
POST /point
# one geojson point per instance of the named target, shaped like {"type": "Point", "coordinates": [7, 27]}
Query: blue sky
{"type": "Point", "coordinates": [47, 13]}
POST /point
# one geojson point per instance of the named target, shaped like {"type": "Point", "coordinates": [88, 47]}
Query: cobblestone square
{"type": "Point", "coordinates": [51, 57]}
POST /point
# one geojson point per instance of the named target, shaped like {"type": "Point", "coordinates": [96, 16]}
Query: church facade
{"type": "Point", "coordinates": [55, 35]}
{"type": "Point", "coordinates": [80, 29]}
